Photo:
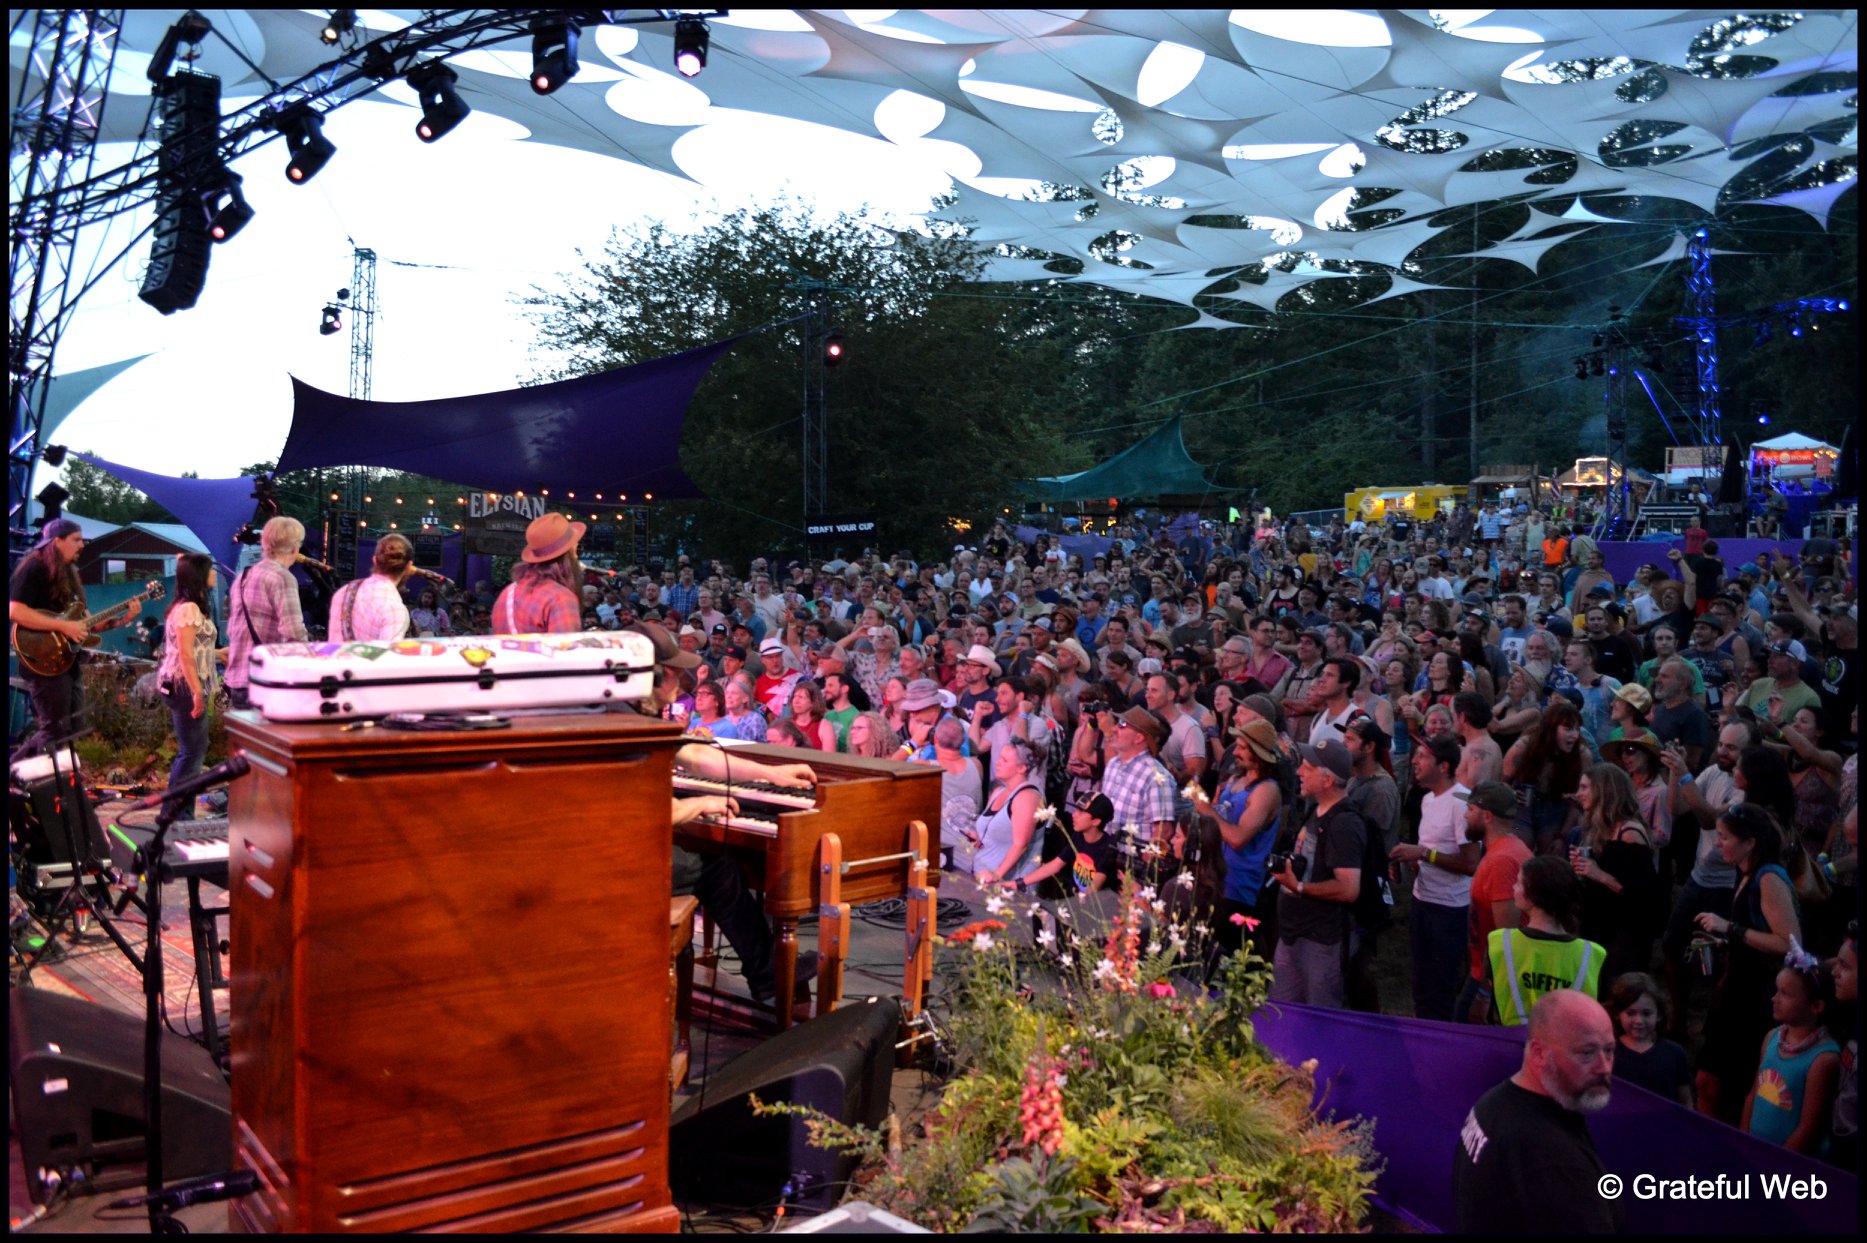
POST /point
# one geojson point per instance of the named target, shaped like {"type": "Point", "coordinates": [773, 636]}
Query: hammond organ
{"type": "Point", "coordinates": [867, 832]}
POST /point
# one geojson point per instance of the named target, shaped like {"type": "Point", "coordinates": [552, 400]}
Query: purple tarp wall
{"type": "Point", "coordinates": [1417, 1079]}
{"type": "Point", "coordinates": [1623, 558]}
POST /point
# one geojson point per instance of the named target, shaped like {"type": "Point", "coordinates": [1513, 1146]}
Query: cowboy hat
{"type": "Point", "coordinates": [980, 654]}
{"type": "Point", "coordinates": [667, 652]}
{"type": "Point", "coordinates": [1261, 737]}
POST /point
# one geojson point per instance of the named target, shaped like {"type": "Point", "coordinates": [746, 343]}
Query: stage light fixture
{"type": "Point", "coordinates": [1581, 368]}
{"type": "Point", "coordinates": [833, 348]}
{"type": "Point", "coordinates": [226, 207]}
{"type": "Point", "coordinates": [53, 497]}
{"type": "Point", "coordinates": [691, 38]}
{"type": "Point", "coordinates": [442, 108]}
{"type": "Point", "coordinates": [554, 53]}
{"type": "Point", "coordinates": [304, 138]}
{"type": "Point", "coordinates": [54, 455]}
{"type": "Point", "coordinates": [1596, 367]}
{"type": "Point", "coordinates": [342, 22]}
{"type": "Point", "coordinates": [333, 319]}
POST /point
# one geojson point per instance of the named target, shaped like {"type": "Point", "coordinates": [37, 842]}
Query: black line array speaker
{"type": "Point", "coordinates": [76, 1071]}
{"type": "Point", "coordinates": [721, 1153]}
{"type": "Point", "coordinates": [188, 105]}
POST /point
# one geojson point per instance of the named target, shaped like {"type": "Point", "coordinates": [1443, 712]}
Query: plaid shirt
{"type": "Point", "coordinates": [537, 606]}
{"type": "Point", "coordinates": [377, 611]}
{"type": "Point", "coordinates": [262, 608]}
{"type": "Point", "coordinates": [683, 600]}
{"type": "Point", "coordinates": [1141, 791]}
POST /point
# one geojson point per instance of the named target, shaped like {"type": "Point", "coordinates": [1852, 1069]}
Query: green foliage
{"type": "Point", "coordinates": [1174, 1117]}
{"type": "Point", "coordinates": [1033, 1197]}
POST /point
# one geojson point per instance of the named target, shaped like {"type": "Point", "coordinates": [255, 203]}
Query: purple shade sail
{"type": "Point", "coordinates": [214, 509]}
{"type": "Point", "coordinates": [618, 432]}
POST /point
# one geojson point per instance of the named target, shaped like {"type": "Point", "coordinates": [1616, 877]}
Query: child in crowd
{"type": "Point", "coordinates": [1795, 1085]}
{"type": "Point", "coordinates": [1641, 1056]}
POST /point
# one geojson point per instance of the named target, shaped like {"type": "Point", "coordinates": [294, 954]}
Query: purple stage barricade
{"type": "Point", "coordinates": [1624, 558]}
{"type": "Point", "coordinates": [1417, 1079]}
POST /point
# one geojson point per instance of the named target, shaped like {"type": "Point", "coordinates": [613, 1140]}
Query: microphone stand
{"type": "Point", "coordinates": [161, 1219]}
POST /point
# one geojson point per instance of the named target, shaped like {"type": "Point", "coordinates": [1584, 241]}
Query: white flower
{"type": "Point", "coordinates": [982, 942]}
{"type": "Point", "coordinates": [1159, 908]}
{"type": "Point", "coordinates": [1184, 880]}
{"type": "Point", "coordinates": [1160, 778]}
{"type": "Point", "coordinates": [1105, 969]}
{"type": "Point", "coordinates": [1063, 913]}
{"type": "Point", "coordinates": [1046, 814]}
{"type": "Point", "coordinates": [1153, 945]}
{"type": "Point", "coordinates": [1176, 939]}
{"type": "Point", "coordinates": [1145, 893]}
{"type": "Point", "coordinates": [994, 905]}
{"type": "Point", "coordinates": [1066, 962]}
{"type": "Point", "coordinates": [1191, 791]}
{"type": "Point", "coordinates": [1046, 938]}
{"type": "Point", "coordinates": [1129, 829]}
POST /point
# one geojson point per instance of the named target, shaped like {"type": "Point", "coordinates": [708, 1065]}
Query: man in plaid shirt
{"type": "Point", "coordinates": [1138, 785]}
{"type": "Point", "coordinates": [263, 602]}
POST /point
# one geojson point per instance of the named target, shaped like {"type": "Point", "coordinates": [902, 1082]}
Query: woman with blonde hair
{"type": "Point", "coordinates": [870, 735]}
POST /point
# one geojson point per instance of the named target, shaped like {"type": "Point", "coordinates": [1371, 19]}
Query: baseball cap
{"type": "Point", "coordinates": [1329, 754]}
{"type": "Point", "coordinates": [719, 628]}
{"type": "Point", "coordinates": [736, 652]}
{"type": "Point", "coordinates": [1099, 808]}
{"type": "Point", "coordinates": [1494, 797]}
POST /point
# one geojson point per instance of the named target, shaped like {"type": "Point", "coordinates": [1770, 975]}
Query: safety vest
{"type": "Point", "coordinates": [1555, 548]}
{"type": "Point", "coordinates": [1523, 968]}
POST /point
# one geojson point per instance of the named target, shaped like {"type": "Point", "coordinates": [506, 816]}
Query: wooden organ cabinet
{"type": "Point", "coordinates": [450, 1004]}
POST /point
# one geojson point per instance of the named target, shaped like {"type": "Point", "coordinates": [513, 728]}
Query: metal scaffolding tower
{"type": "Point", "coordinates": [52, 146]}
{"type": "Point", "coordinates": [1702, 320]}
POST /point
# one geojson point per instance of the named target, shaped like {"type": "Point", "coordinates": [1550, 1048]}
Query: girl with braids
{"type": "Point", "coordinates": [1615, 861]}
{"type": "Point", "coordinates": [1764, 919]}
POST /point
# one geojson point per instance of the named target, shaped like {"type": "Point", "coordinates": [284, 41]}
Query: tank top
{"type": "Point", "coordinates": [1524, 967]}
{"type": "Point", "coordinates": [995, 838]}
{"type": "Point", "coordinates": [1781, 1087]}
{"type": "Point", "coordinates": [1245, 871]}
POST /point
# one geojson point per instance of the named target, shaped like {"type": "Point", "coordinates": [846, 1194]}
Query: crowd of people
{"type": "Point", "coordinates": [1642, 791]}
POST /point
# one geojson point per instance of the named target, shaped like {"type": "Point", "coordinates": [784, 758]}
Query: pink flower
{"type": "Point", "coordinates": [1245, 921]}
{"type": "Point", "coordinates": [1160, 988]}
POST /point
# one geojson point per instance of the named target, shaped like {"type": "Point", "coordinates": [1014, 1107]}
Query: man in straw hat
{"type": "Point", "coordinates": [1137, 783]}
{"type": "Point", "coordinates": [545, 595]}
{"type": "Point", "coordinates": [714, 878]}
{"type": "Point", "coordinates": [976, 671]}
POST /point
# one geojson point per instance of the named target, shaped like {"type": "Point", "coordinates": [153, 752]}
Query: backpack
{"type": "Point", "coordinates": [1373, 908]}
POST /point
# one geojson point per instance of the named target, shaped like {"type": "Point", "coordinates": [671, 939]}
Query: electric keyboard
{"type": "Point", "coordinates": [193, 849]}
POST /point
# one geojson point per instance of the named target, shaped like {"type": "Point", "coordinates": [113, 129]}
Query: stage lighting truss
{"type": "Point", "coordinates": [303, 129]}
{"type": "Point", "coordinates": [442, 108]}
{"type": "Point", "coordinates": [691, 39]}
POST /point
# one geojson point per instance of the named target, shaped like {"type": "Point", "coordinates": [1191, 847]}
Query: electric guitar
{"type": "Point", "coordinates": [49, 653]}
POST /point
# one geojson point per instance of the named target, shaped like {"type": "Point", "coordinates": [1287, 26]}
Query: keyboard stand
{"type": "Point", "coordinates": [209, 971]}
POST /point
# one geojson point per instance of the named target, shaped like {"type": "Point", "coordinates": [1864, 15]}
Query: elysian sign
{"type": "Point", "coordinates": [496, 522]}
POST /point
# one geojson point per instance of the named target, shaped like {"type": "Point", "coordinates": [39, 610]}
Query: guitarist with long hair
{"type": "Point", "coordinates": [45, 584]}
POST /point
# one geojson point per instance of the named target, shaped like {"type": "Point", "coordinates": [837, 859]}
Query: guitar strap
{"type": "Point", "coordinates": [246, 606]}
{"type": "Point", "coordinates": [350, 603]}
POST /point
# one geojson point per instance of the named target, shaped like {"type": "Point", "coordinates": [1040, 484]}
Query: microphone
{"type": "Point", "coordinates": [437, 577]}
{"type": "Point", "coordinates": [233, 766]}
{"type": "Point", "coordinates": [228, 1186]}
{"type": "Point", "coordinates": [302, 559]}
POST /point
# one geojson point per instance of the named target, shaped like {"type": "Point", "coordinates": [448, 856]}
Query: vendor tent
{"type": "Point", "coordinates": [1157, 465]}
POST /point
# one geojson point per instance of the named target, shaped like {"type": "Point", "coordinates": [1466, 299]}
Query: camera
{"type": "Point", "coordinates": [1298, 865]}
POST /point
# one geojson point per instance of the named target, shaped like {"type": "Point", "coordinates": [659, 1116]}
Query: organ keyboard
{"type": "Point", "coordinates": [193, 849]}
{"type": "Point", "coordinates": [869, 806]}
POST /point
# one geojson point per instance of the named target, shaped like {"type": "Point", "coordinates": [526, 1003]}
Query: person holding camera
{"type": "Point", "coordinates": [1320, 878]}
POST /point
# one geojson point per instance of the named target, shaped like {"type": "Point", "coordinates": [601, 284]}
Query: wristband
{"type": "Point", "coordinates": [1432, 856]}
{"type": "Point", "coordinates": [1299, 889]}
{"type": "Point", "coordinates": [1687, 779]}
{"type": "Point", "coordinates": [1020, 884]}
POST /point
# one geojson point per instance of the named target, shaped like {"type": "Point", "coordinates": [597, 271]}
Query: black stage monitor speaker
{"type": "Point", "coordinates": [841, 1064]}
{"type": "Point", "coordinates": [77, 1080]}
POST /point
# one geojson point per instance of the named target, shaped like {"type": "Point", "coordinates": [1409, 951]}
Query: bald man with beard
{"type": "Point", "coordinates": [1526, 1163]}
